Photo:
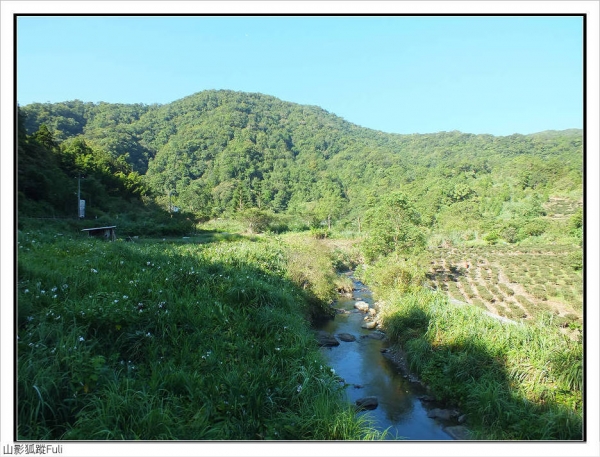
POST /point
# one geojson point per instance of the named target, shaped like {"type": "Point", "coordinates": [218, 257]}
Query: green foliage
{"type": "Point", "coordinates": [276, 166]}
{"type": "Point", "coordinates": [510, 233]}
{"type": "Point", "coordinates": [394, 227]}
{"type": "Point", "coordinates": [398, 274]}
{"type": "Point", "coordinates": [221, 152]}
{"type": "Point", "coordinates": [576, 260]}
{"type": "Point", "coordinates": [492, 237]}
{"type": "Point", "coordinates": [534, 227]}
{"type": "Point", "coordinates": [169, 340]}
{"type": "Point", "coordinates": [576, 225]}
{"type": "Point", "coordinates": [256, 220]}
{"type": "Point", "coordinates": [498, 374]}
{"type": "Point", "coordinates": [311, 266]}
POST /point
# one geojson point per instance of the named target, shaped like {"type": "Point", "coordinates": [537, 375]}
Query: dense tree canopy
{"type": "Point", "coordinates": [222, 152]}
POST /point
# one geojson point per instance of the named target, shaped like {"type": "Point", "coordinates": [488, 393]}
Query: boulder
{"type": "Point", "coordinates": [362, 306]}
{"type": "Point", "coordinates": [458, 432]}
{"type": "Point", "coordinates": [326, 340]}
{"type": "Point", "coordinates": [367, 403]}
{"type": "Point", "coordinates": [346, 337]}
{"type": "Point", "coordinates": [444, 414]}
{"type": "Point", "coordinates": [369, 325]}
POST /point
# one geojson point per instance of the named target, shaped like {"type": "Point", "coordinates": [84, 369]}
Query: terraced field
{"type": "Point", "coordinates": [513, 282]}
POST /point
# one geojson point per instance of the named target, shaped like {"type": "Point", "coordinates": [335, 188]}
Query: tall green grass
{"type": "Point", "coordinates": [171, 340]}
{"type": "Point", "coordinates": [514, 381]}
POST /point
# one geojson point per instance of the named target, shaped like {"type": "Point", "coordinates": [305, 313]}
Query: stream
{"type": "Point", "coordinates": [367, 372]}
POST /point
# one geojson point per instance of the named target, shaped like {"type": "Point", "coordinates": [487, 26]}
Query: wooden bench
{"type": "Point", "coordinates": [108, 233]}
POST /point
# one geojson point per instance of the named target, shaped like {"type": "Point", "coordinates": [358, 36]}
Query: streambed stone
{"type": "Point", "coordinates": [346, 337]}
{"type": "Point", "coordinates": [367, 403]}
{"type": "Point", "coordinates": [362, 306]}
{"type": "Point", "coordinates": [444, 414]}
{"type": "Point", "coordinates": [369, 325]}
{"type": "Point", "coordinates": [326, 340]}
{"type": "Point", "coordinates": [458, 432]}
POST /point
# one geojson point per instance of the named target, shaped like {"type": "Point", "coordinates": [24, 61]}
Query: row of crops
{"type": "Point", "coordinates": [518, 284]}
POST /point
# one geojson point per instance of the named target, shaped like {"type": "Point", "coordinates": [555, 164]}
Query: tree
{"type": "Point", "coordinates": [256, 219]}
{"type": "Point", "coordinates": [394, 226]}
{"type": "Point", "coordinates": [45, 137]}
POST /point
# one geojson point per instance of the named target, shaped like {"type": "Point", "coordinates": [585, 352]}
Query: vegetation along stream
{"type": "Point", "coordinates": [368, 374]}
{"type": "Point", "coordinates": [234, 213]}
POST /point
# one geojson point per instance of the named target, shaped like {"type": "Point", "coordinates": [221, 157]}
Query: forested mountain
{"type": "Point", "coordinates": [222, 152]}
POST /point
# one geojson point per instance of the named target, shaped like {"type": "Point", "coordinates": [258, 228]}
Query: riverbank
{"type": "Point", "coordinates": [511, 382]}
{"type": "Point", "coordinates": [174, 340]}
{"type": "Point", "coordinates": [374, 377]}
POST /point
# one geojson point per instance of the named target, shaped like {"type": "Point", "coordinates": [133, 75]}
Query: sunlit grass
{"type": "Point", "coordinates": [513, 381]}
{"type": "Point", "coordinates": [165, 340]}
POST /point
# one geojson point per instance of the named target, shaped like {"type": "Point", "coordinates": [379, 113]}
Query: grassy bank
{"type": "Point", "coordinates": [514, 381]}
{"type": "Point", "coordinates": [174, 340]}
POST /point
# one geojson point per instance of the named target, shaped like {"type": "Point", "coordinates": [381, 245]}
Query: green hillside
{"type": "Point", "coordinates": [221, 153]}
{"type": "Point", "coordinates": [186, 333]}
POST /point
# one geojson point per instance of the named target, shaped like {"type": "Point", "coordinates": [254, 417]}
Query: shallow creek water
{"type": "Point", "coordinates": [366, 372]}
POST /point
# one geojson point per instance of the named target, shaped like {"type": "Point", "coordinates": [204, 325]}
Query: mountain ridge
{"type": "Point", "coordinates": [221, 151]}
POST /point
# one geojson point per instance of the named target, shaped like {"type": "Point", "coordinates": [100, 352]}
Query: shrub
{"type": "Point", "coordinates": [319, 233]}
{"type": "Point", "coordinates": [507, 290]}
{"type": "Point", "coordinates": [492, 237]}
{"type": "Point", "coordinates": [524, 301]}
{"type": "Point", "coordinates": [540, 293]}
{"type": "Point", "coordinates": [256, 220]}
{"type": "Point", "coordinates": [510, 234]}
{"type": "Point", "coordinates": [576, 260]}
{"type": "Point", "coordinates": [398, 274]}
{"type": "Point", "coordinates": [534, 227]}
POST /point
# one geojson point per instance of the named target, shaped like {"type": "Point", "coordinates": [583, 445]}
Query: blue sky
{"type": "Point", "coordinates": [400, 74]}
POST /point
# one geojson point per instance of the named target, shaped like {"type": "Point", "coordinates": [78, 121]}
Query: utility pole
{"type": "Point", "coordinates": [79, 195]}
{"type": "Point", "coordinates": [80, 207]}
